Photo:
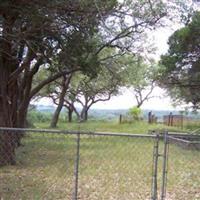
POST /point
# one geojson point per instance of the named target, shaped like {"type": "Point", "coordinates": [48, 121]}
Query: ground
{"type": "Point", "coordinates": [111, 168]}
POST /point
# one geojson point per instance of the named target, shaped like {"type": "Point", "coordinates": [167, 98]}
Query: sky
{"type": "Point", "coordinates": [126, 101]}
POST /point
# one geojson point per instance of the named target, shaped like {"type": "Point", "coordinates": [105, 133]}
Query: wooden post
{"type": "Point", "coordinates": [120, 118]}
{"type": "Point", "coordinates": [153, 118]}
{"type": "Point", "coordinates": [170, 119]}
{"type": "Point", "coordinates": [156, 120]}
{"type": "Point", "coordinates": [182, 121]}
{"type": "Point", "coordinates": [150, 117]}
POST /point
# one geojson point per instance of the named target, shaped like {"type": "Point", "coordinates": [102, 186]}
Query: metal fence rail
{"type": "Point", "coordinates": [60, 164]}
{"type": "Point", "coordinates": [73, 132]}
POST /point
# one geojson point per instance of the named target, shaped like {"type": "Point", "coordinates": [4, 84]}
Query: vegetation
{"type": "Point", "coordinates": [109, 167]}
{"type": "Point", "coordinates": [84, 52]}
{"type": "Point", "coordinates": [60, 37]}
{"type": "Point", "coordinates": [180, 67]}
{"type": "Point", "coordinates": [136, 113]}
{"type": "Point", "coordinates": [108, 126]}
{"type": "Point", "coordinates": [84, 91]}
{"type": "Point", "coordinates": [140, 77]}
{"type": "Point", "coordinates": [109, 121]}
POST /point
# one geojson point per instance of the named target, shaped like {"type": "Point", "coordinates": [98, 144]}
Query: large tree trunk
{"type": "Point", "coordinates": [8, 95]}
{"type": "Point", "coordinates": [7, 119]}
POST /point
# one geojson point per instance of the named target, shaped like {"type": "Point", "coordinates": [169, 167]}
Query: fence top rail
{"type": "Point", "coordinates": [75, 132]}
{"type": "Point", "coordinates": [183, 134]}
{"type": "Point", "coordinates": [183, 140]}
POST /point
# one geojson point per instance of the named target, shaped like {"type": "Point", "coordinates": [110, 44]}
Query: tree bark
{"type": "Point", "coordinates": [7, 119]}
{"type": "Point", "coordinates": [70, 112]}
{"type": "Point", "coordinates": [56, 114]}
{"type": "Point", "coordinates": [8, 95]}
{"type": "Point", "coordinates": [65, 83]}
{"type": "Point", "coordinates": [78, 115]}
{"type": "Point", "coordinates": [84, 113]}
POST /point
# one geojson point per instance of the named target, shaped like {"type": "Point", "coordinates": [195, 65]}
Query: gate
{"type": "Point", "coordinates": [160, 152]}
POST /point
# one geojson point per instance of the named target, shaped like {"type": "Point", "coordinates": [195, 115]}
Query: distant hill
{"type": "Point", "coordinates": [114, 113]}
{"type": "Point", "coordinates": [44, 108]}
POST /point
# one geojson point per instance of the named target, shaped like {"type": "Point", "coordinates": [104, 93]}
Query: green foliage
{"type": "Point", "coordinates": [138, 72]}
{"type": "Point", "coordinates": [43, 117]}
{"type": "Point", "coordinates": [38, 117]}
{"type": "Point", "coordinates": [180, 67]}
{"type": "Point", "coordinates": [193, 126]}
{"type": "Point", "coordinates": [139, 76]}
{"type": "Point", "coordinates": [136, 113]}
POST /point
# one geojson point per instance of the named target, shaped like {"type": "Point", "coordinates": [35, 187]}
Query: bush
{"type": "Point", "coordinates": [135, 113]}
{"type": "Point", "coordinates": [36, 116]}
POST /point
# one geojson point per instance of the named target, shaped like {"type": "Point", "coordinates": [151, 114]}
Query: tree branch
{"type": "Point", "coordinates": [49, 80]}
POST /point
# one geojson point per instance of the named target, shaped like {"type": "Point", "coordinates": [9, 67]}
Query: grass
{"type": "Point", "coordinates": [193, 125]}
{"type": "Point", "coordinates": [111, 168]}
{"type": "Point", "coordinates": [110, 126]}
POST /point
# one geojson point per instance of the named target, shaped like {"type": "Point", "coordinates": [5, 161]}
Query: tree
{"type": "Point", "coordinates": [33, 35]}
{"type": "Point", "coordinates": [180, 67]}
{"type": "Point", "coordinates": [64, 86]}
{"type": "Point", "coordinates": [85, 91]}
{"type": "Point", "coordinates": [58, 91]}
{"type": "Point", "coordinates": [89, 91]}
{"type": "Point", "coordinates": [53, 35]}
{"type": "Point", "coordinates": [140, 77]}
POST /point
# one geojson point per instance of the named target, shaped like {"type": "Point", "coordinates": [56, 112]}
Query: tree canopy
{"type": "Point", "coordinates": [61, 37]}
{"type": "Point", "coordinates": [139, 77]}
{"type": "Point", "coordinates": [180, 67]}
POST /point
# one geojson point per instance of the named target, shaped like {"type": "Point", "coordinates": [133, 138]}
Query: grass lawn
{"type": "Point", "coordinates": [110, 126]}
{"type": "Point", "coordinates": [111, 168]}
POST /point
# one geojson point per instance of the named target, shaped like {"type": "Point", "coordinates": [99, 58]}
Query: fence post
{"type": "Point", "coordinates": [155, 169]}
{"type": "Point", "coordinates": [76, 168]}
{"type": "Point", "coordinates": [120, 118]}
{"type": "Point", "coordinates": [182, 121]}
{"type": "Point", "coordinates": [165, 163]}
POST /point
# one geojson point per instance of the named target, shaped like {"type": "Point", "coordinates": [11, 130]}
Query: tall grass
{"type": "Point", "coordinates": [139, 127]}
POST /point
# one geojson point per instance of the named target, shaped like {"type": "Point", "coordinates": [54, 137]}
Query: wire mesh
{"type": "Point", "coordinates": [88, 166]}
{"type": "Point", "coordinates": [115, 168]}
{"type": "Point", "coordinates": [43, 169]}
{"type": "Point", "coordinates": [184, 169]}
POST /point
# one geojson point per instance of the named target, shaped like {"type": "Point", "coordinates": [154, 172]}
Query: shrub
{"type": "Point", "coordinates": [135, 113]}
{"type": "Point", "coordinates": [36, 116]}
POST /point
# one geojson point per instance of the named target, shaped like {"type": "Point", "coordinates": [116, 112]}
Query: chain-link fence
{"type": "Point", "coordinates": [184, 167]}
{"type": "Point", "coordinates": [88, 166]}
{"type": "Point", "coordinates": [115, 167]}
{"type": "Point", "coordinates": [43, 169]}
